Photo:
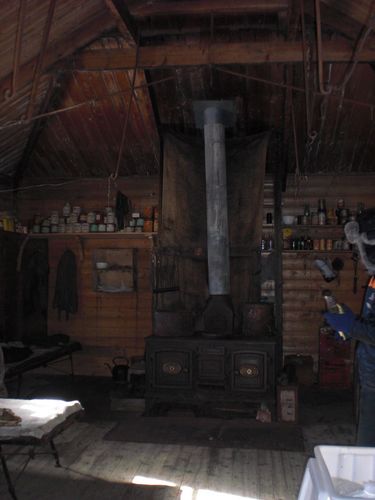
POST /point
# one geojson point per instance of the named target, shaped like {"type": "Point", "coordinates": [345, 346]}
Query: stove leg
{"type": "Point", "coordinates": [11, 489]}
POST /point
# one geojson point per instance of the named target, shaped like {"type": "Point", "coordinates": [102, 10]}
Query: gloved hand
{"type": "Point", "coordinates": [341, 322]}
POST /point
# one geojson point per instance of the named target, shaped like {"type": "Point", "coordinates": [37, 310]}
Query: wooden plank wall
{"type": "Point", "coordinates": [302, 281]}
{"type": "Point", "coordinates": [107, 324]}
{"type": "Point", "coordinates": [89, 194]}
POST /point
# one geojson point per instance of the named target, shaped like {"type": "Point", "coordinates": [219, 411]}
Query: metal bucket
{"type": "Point", "coordinates": [258, 319]}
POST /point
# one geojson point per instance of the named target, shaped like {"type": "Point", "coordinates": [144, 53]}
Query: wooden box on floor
{"type": "Point", "coordinates": [287, 403]}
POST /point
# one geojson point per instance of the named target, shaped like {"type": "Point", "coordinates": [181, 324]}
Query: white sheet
{"type": "Point", "coordinates": [39, 416]}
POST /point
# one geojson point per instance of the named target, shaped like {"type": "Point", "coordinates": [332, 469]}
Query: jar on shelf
{"type": "Point", "coordinates": [322, 212]}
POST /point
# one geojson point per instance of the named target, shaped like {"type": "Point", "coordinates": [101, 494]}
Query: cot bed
{"type": "Point", "coordinates": [39, 357]}
{"type": "Point", "coordinates": [41, 420]}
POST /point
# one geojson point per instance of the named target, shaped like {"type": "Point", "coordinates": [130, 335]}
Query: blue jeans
{"type": "Point", "coordinates": [366, 424]}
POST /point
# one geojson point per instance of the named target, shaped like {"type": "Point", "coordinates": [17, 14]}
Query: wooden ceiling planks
{"type": "Point", "coordinates": [94, 130]}
{"type": "Point", "coordinates": [361, 11]}
{"type": "Point", "coordinates": [73, 24]}
{"type": "Point", "coordinates": [247, 37]}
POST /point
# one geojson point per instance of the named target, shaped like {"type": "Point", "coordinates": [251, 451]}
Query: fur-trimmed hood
{"type": "Point", "coordinates": [361, 240]}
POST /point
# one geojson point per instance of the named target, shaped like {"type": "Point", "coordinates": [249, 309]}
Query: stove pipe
{"type": "Point", "coordinates": [213, 117]}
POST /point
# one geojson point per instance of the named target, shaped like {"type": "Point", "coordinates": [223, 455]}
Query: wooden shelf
{"type": "Point", "coordinates": [107, 236]}
{"type": "Point", "coordinates": [314, 226]}
{"type": "Point", "coordinates": [330, 252]}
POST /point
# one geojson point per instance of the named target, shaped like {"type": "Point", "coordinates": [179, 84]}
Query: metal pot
{"type": "Point", "coordinates": [119, 371]}
{"type": "Point", "coordinates": [258, 319]}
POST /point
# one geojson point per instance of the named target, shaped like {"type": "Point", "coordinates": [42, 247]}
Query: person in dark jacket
{"type": "Point", "coordinates": [362, 328]}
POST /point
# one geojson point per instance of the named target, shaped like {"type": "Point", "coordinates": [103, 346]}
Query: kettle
{"type": "Point", "coordinates": [119, 370]}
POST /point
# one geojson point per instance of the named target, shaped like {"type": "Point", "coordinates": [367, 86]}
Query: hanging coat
{"type": "Point", "coordinates": [66, 297]}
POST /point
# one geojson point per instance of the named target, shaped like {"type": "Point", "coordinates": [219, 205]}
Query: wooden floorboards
{"type": "Point", "coordinates": [95, 469]}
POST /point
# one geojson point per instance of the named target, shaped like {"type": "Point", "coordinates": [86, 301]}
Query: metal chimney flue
{"type": "Point", "coordinates": [213, 117]}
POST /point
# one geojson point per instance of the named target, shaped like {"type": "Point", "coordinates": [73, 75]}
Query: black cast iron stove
{"type": "Point", "coordinates": [213, 369]}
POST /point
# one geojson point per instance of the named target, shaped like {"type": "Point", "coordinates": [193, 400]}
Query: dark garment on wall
{"type": "Point", "coordinates": [66, 297]}
{"type": "Point", "coordinates": [35, 284]}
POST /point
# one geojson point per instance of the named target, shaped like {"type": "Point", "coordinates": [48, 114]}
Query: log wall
{"type": "Point", "coordinates": [107, 324]}
{"type": "Point", "coordinates": [302, 281]}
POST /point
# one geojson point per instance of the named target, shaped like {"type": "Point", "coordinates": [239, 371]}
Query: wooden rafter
{"type": "Point", "coordinates": [35, 133]}
{"type": "Point", "coordinates": [123, 21]}
{"type": "Point", "coordinates": [40, 61]}
{"type": "Point", "coordinates": [124, 25]}
{"type": "Point", "coordinates": [18, 44]}
{"type": "Point", "coordinates": [175, 55]}
{"type": "Point", "coordinates": [82, 36]}
{"type": "Point", "coordinates": [182, 7]}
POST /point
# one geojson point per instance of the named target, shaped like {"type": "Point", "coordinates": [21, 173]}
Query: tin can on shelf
{"type": "Point", "coordinates": [322, 244]}
{"type": "Point", "coordinates": [328, 244]}
{"type": "Point", "coordinates": [148, 226]}
{"type": "Point", "coordinates": [91, 217]}
{"type": "Point", "coordinates": [148, 213]}
{"type": "Point", "coordinates": [66, 209]}
{"type": "Point", "coordinates": [316, 244]}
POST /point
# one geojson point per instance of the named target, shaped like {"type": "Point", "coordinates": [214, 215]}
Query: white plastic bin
{"type": "Point", "coordinates": [339, 473]}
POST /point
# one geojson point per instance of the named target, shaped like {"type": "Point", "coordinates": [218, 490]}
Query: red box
{"type": "Point", "coordinates": [335, 374]}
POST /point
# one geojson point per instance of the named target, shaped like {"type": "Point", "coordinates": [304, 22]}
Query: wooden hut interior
{"type": "Point", "coordinates": [175, 178]}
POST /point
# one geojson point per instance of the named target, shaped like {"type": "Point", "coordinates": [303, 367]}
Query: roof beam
{"type": "Point", "coordinates": [169, 55]}
{"type": "Point", "coordinates": [184, 7]}
{"type": "Point", "coordinates": [123, 21]}
{"type": "Point", "coordinates": [144, 106]}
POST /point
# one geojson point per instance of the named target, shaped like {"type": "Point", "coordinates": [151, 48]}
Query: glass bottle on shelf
{"type": "Point", "coordinates": [263, 243]}
{"type": "Point", "coordinates": [270, 243]}
{"type": "Point", "coordinates": [309, 243]}
{"type": "Point", "coordinates": [322, 212]}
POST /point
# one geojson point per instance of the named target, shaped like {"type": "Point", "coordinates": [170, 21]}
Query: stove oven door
{"type": "Point", "coordinates": [171, 368]}
{"type": "Point", "coordinates": [249, 370]}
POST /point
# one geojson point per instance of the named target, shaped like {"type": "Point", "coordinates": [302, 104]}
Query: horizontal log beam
{"type": "Point", "coordinates": [177, 55]}
{"type": "Point", "coordinates": [207, 7]}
